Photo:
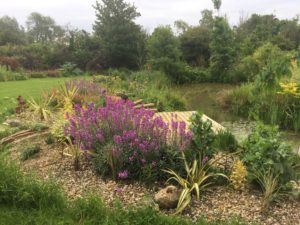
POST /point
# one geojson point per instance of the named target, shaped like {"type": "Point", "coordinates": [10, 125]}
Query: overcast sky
{"type": "Point", "coordinates": [81, 14]}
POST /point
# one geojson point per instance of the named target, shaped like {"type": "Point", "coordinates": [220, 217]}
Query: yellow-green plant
{"type": "Point", "coordinates": [196, 180]}
{"type": "Point", "coordinates": [57, 129]}
{"type": "Point", "coordinates": [67, 94]}
{"type": "Point", "coordinates": [42, 107]}
{"type": "Point", "coordinates": [271, 188]}
{"type": "Point", "coordinates": [238, 175]}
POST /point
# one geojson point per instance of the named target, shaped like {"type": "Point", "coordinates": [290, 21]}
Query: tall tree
{"type": "Point", "coordinates": [181, 26]}
{"type": "Point", "coordinates": [163, 44]}
{"type": "Point", "coordinates": [43, 29]}
{"type": "Point", "coordinates": [195, 45]}
{"type": "Point", "coordinates": [222, 48]}
{"type": "Point", "coordinates": [118, 33]}
{"type": "Point", "coordinates": [217, 4]}
{"type": "Point", "coordinates": [10, 31]}
{"type": "Point", "coordinates": [207, 19]}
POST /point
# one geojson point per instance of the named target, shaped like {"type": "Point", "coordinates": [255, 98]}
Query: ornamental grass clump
{"type": "Point", "coordinates": [125, 140]}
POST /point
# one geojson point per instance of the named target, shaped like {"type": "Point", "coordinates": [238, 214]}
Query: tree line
{"type": "Point", "coordinates": [210, 51]}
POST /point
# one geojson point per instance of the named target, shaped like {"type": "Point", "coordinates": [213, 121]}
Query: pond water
{"type": "Point", "coordinates": [203, 97]}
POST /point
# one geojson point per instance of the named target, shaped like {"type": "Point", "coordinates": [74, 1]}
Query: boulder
{"type": "Point", "coordinates": [13, 123]}
{"type": "Point", "coordinates": [167, 198]}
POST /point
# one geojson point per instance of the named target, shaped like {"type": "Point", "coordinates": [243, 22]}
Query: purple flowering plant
{"type": "Point", "coordinates": [139, 141]}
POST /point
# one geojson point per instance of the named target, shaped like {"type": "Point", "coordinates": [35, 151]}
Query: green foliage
{"type": "Point", "coordinates": [163, 44]}
{"type": "Point", "coordinates": [194, 43]}
{"type": "Point", "coordinates": [270, 185]}
{"type": "Point", "coordinates": [203, 135]}
{"type": "Point", "coordinates": [264, 151]}
{"type": "Point", "coordinates": [69, 69]}
{"type": "Point", "coordinates": [42, 108]}
{"type": "Point", "coordinates": [8, 75]}
{"type": "Point", "coordinates": [30, 152]}
{"type": "Point", "coordinates": [43, 29]}
{"type": "Point", "coordinates": [225, 141]}
{"type": "Point", "coordinates": [152, 87]}
{"type": "Point", "coordinates": [25, 200]}
{"type": "Point", "coordinates": [50, 139]}
{"type": "Point", "coordinates": [118, 33]}
{"type": "Point", "coordinates": [75, 153]}
{"type": "Point", "coordinates": [222, 49]}
{"type": "Point", "coordinates": [196, 180]}
{"type": "Point", "coordinates": [11, 32]}
{"type": "Point", "coordinates": [26, 192]}
{"type": "Point", "coordinates": [273, 64]}
{"type": "Point", "coordinates": [217, 4]}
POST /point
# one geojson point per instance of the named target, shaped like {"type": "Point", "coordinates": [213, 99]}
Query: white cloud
{"type": "Point", "coordinates": [80, 13]}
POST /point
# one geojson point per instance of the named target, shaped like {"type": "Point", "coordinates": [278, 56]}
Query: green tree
{"type": "Point", "coordinates": [217, 4]}
{"type": "Point", "coordinates": [163, 44]}
{"type": "Point", "coordinates": [84, 48]}
{"type": "Point", "coordinates": [195, 45]}
{"type": "Point", "coordinates": [273, 65]}
{"type": "Point", "coordinates": [11, 32]}
{"type": "Point", "coordinates": [43, 29]}
{"type": "Point", "coordinates": [222, 49]}
{"type": "Point", "coordinates": [181, 26]}
{"type": "Point", "coordinates": [207, 19]}
{"type": "Point", "coordinates": [118, 33]}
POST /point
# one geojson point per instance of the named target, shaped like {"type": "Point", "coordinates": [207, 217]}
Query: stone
{"type": "Point", "coordinates": [167, 198]}
{"type": "Point", "coordinates": [13, 123]}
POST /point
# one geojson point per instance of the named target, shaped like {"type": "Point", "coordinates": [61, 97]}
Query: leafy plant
{"type": "Point", "coordinates": [264, 151]}
{"type": "Point", "coordinates": [196, 180]}
{"type": "Point", "coordinates": [30, 152]}
{"type": "Point", "coordinates": [203, 135]}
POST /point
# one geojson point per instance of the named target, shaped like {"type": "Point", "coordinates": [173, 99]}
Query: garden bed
{"type": "Point", "coordinates": [221, 203]}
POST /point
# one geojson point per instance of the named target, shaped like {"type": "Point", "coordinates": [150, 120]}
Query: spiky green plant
{"type": "Point", "coordinates": [271, 188]}
{"type": "Point", "coordinates": [197, 179]}
{"type": "Point", "coordinates": [75, 153]}
{"type": "Point", "coordinates": [42, 107]}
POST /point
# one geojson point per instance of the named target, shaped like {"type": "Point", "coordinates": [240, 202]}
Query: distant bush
{"type": "Point", "coordinates": [38, 74]}
{"type": "Point", "coordinates": [53, 73]}
{"type": "Point", "coordinates": [69, 69]}
{"type": "Point", "coordinates": [8, 75]}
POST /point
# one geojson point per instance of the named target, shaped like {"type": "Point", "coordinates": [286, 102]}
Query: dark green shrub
{"type": "Point", "coordinates": [30, 152]}
{"type": "Point", "coordinates": [50, 139]}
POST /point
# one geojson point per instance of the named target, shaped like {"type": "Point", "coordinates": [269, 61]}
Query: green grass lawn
{"type": "Point", "coordinates": [10, 90]}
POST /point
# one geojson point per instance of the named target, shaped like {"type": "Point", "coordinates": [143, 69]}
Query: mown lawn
{"type": "Point", "coordinates": [10, 90]}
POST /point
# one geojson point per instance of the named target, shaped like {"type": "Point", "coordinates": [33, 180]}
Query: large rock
{"type": "Point", "coordinates": [13, 123]}
{"type": "Point", "coordinates": [167, 198]}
